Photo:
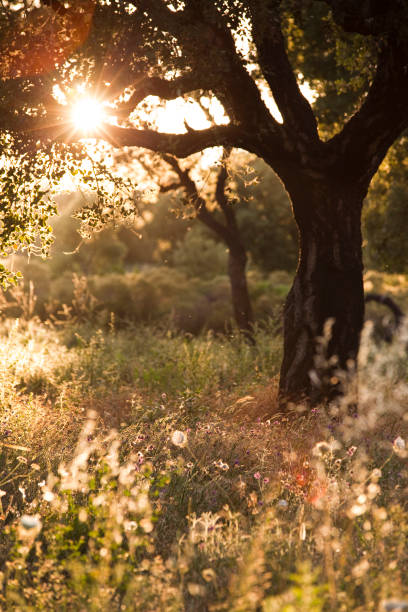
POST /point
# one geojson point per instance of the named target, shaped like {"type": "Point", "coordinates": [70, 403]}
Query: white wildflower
{"type": "Point", "coordinates": [395, 604]}
{"type": "Point", "coordinates": [399, 444]}
{"type": "Point", "coordinates": [179, 438]}
{"type": "Point", "coordinates": [48, 496]}
{"type": "Point", "coordinates": [30, 522]}
{"type": "Point", "coordinates": [320, 449]}
{"type": "Point", "coordinates": [28, 529]}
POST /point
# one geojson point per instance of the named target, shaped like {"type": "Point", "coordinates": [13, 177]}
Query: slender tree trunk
{"type": "Point", "coordinates": [237, 260]}
{"type": "Point", "coordinates": [327, 295]}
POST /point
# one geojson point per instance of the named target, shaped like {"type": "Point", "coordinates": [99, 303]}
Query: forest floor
{"type": "Point", "coordinates": [147, 470]}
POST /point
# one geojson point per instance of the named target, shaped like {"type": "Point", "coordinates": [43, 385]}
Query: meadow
{"type": "Point", "coordinates": [145, 468]}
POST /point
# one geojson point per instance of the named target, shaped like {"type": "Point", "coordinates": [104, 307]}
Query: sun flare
{"type": "Point", "coordinates": [87, 114]}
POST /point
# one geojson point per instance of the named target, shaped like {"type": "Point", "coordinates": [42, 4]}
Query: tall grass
{"type": "Point", "coordinates": [149, 470]}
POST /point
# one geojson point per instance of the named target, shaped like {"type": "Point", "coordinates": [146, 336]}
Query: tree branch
{"type": "Point", "coordinates": [367, 136]}
{"type": "Point", "coordinates": [296, 111]}
{"type": "Point", "coordinates": [180, 145]}
{"type": "Point", "coordinates": [190, 188]}
{"type": "Point", "coordinates": [165, 89]}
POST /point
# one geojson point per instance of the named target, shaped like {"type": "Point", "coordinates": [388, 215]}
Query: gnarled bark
{"type": "Point", "coordinates": [327, 289]}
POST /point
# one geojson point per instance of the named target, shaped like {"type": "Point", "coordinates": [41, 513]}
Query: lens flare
{"type": "Point", "coordinates": [87, 115]}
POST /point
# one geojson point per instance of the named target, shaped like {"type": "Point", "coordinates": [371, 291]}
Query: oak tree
{"type": "Point", "coordinates": [236, 50]}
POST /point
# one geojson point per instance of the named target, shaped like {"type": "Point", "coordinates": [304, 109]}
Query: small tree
{"type": "Point", "coordinates": [228, 232]}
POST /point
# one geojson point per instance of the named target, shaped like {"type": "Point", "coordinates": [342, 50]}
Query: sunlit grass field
{"type": "Point", "coordinates": [145, 469]}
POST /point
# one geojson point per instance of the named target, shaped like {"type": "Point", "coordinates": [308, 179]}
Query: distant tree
{"type": "Point", "coordinates": [227, 230]}
{"type": "Point", "coordinates": [265, 217]}
{"type": "Point", "coordinates": [231, 49]}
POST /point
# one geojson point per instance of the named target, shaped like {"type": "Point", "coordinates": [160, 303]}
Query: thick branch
{"type": "Point", "coordinates": [207, 40]}
{"type": "Point", "coordinates": [163, 88]}
{"type": "Point", "coordinates": [180, 145]}
{"type": "Point", "coordinates": [366, 138]}
{"type": "Point", "coordinates": [190, 188]}
{"type": "Point", "coordinates": [295, 109]}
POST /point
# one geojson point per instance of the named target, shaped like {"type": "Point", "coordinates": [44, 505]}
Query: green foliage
{"type": "Point", "coordinates": [26, 206]}
{"type": "Point", "coordinates": [30, 176]}
{"type": "Point", "coordinates": [163, 229]}
{"type": "Point", "coordinates": [336, 65]}
{"type": "Point", "coordinates": [385, 213]}
{"type": "Point", "coordinates": [154, 294]}
{"type": "Point", "coordinates": [200, 256]}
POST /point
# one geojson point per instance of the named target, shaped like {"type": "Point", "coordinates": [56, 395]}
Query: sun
{"type": "Point", "coordinates": [87, 114]}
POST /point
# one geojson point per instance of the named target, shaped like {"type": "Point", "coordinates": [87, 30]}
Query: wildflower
{"type": "Point", "coordinates": [394, 604]}
{"type": "Point", "coordinates": [399, 444]}
{"type": "Point", "coordinates": [320, 449]}
{"type": "Point", "coordinates": [357, 510]}
{"type": "Point", "coordinates": [301, 480]}
{"type": "Point", "coordinates": [317, 492]}
{"type": "Point", "coordinates": [179, 438]}
{"type": "Point", "coordinates": [30, 522]}
{"type": "Point", "coordinates": [48, 496]}
{"type": "Point", "coordinates": [360, 569]}
{"type": "Point", "coordinates": [82, 515]}
{"type": "Point", "coordinates": [208, 574]}
{"type": "Point", "coordinates": [257, 475]}
{"type": "Point", "coordinates": [147, 525]}
{"type": "Point", "coordinates": [351, 450]}
{"type": "Point", "coordinates": [195, 590]}
{"type": "Point", "coordinates": [130, 525]}
{"type": "Point", "coordinates": [266, 480]}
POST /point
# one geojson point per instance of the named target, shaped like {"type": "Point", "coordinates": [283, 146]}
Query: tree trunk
{"type": "Point", "coordinates": [327, 296]}
{"type": "Point", "coordinates": [241, 303]}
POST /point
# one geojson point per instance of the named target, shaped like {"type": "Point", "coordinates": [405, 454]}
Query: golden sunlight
{"type": "Point", "coordinates": [87, 114]}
